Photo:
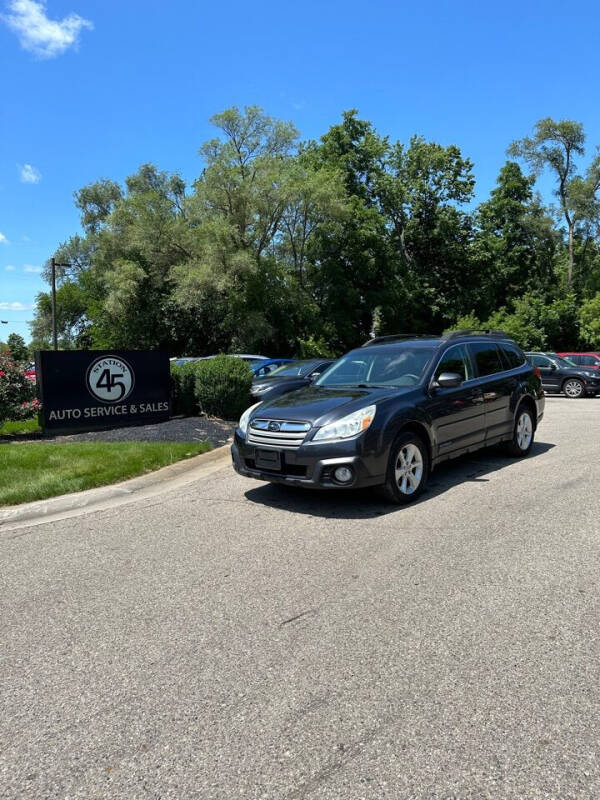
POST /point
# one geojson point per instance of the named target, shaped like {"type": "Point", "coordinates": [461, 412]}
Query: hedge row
{"type": "Point", "coordinates": [218, 386]}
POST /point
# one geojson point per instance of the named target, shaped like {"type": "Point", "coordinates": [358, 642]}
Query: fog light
{"type": "Point", "coordinates": [343, 475]}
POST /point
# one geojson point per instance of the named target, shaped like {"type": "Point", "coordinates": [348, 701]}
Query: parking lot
{"type": "Point", "coordinates": [237, 639]}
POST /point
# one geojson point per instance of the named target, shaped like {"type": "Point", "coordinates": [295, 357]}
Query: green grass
{"type": "Point", "coordinates": [32, 471]}
{"type": "Point", "coordinates": [20, 428]}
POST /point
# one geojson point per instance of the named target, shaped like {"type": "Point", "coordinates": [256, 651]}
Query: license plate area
{"type": "Point", "coordinates": [268, 459]}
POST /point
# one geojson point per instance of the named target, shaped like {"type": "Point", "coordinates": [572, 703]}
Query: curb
{"type": "Point", "coordinates": [71, 505]}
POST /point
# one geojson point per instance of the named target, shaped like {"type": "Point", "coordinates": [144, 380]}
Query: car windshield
{"type": "Point", "coordinates": [393, 366]}
{"type": "Point", "coordinates": [295, 370]}
{"type": "Point", "coordinates": [563, 362]}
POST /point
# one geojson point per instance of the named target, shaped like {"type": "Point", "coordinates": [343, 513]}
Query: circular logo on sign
{"type": "Point", "coordinates": [110, 379]}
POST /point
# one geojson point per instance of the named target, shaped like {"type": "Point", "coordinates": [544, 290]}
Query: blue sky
{"type": "Point", "coordinates": [128, 82]}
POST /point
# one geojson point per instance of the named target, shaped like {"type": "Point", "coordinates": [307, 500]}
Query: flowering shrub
{"type": "Point", "coordinates": [17, 393]}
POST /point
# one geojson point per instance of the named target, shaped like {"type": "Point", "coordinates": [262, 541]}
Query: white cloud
{"type": "Point", "coordinates": [31, 268]}
{"type": "Point", "coordinates": [15, 307]}
{"type": "Point", "coordinates": [40, 35]}
{"type": "Point", "coordinates": [29, 174]}
{"type": "Point", "coordinates": [10, 268]}
{"type": "Point", "coordinates": [3, 239]}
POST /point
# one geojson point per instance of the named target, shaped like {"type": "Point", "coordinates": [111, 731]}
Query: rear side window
{"type": "Point", "coordinates": [487, 358]}
{"type": "Point", "coordinates": [541, 361]}
{"type": "Point", "coordinates": [512, 355]}
{"type": "Point", "coordinates": [455, 359]}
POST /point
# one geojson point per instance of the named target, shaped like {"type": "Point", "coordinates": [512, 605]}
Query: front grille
{"type": "Point", "coordinates": [277, 433]}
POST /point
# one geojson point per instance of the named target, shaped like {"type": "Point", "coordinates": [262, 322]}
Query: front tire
{"type": "Point", "coordinates": [408, 469]}
{"type": "Point", "coordinates": [573, 388]}
{"type": "Point", "coordinates": [523, 433]}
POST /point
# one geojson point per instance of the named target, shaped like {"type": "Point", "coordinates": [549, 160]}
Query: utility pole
{"type": "Point", "coordinates": [53, 266]}
{"type": "Point", "coordinates": [54, 336]}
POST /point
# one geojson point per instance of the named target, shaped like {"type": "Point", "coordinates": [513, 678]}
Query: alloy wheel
{"type": "Point", "coordinates": [409, 469]}
{"type": "Point", "coordinates": [524, 431]}
{"type": "Point", "coordinates": [573, 389]}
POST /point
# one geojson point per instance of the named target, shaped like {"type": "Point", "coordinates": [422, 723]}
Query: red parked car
{"type": "Point", "coordinates": [587, 360]}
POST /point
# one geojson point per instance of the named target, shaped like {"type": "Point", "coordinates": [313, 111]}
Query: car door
{"type": "Point", "coordinates": [549, 372]}
{"type": "Point", "coordinates": [457, 414]}
{"type": "Point", "coordinates": [498, 386]}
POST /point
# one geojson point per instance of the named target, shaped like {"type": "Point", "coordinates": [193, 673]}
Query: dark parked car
{"type": "Point", "coordinates": [559, 375]}
{"type": "Point", "coordinates": [389, 412]}
{"type": "Point", "coordinates": [288, 378]}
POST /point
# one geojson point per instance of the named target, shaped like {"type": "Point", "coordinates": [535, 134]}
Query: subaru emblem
{"type": "Point", "coordinates": [274, 426]}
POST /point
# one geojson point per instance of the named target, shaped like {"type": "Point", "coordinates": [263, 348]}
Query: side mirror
{"type": "Point", "coordinates": [552, 367]}
{"type": "Point", "coordinates": [449, 380]}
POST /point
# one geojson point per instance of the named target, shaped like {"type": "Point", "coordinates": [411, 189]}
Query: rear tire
{"type": "Point", "coordinates": [408, 469]}
{"type": "Point", "coordinates": [523, 433]}
{"type": "Point", "coordinates": [573, 388]}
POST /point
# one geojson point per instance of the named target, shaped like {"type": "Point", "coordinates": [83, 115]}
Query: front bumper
{"type": "Point", "coordinates": [592, 386]}
{"type": "Point", "coordinates": [312, 465]}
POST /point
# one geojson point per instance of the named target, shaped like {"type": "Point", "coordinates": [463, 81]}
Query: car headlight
{"type": "Point", "coordinates": [344, 428]}
{"type": "Point", "coordinates": [245, 418]}
{"type": "Point", "coordinates": [591, 374]}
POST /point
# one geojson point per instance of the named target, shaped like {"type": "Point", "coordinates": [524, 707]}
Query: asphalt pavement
{"type": "Point", "coordinates": [231, 639]}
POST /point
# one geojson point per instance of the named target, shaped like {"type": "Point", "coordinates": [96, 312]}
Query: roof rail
{"type": "Point", "coordinates": [478, 332]}
{"type": "Point", "coordinates": [396, 337]}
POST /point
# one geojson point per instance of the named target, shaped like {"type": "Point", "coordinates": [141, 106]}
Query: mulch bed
{"type": "Point", "coordinates": [180, 429]}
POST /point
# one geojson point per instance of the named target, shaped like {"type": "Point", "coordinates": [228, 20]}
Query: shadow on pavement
{"type": "Point", "coordinates": [367, 504]}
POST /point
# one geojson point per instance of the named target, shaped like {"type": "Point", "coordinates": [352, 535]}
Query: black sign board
{"type": "Point", "coordinates": [87, 389]}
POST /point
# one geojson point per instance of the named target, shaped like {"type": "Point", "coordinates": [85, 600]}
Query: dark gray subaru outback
{"type": "Point", "coordinates": [389, 412]}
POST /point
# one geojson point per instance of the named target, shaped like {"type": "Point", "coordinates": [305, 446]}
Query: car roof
{"type": "Point", "coordinates": [431, 340]}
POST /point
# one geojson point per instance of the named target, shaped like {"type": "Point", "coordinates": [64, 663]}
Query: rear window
{"type": "Point", "coordinates": [487, 358]}
{"type": "Point", "coordinates": [512, 355]}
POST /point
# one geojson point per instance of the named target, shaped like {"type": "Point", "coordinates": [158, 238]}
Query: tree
{"type": "Point", "coordinates": [18, 349]}
{"type": "Point", "coordinates": [556, 145]}
{"type": "Point", "coordinates": [423, 191]}
{"type": "Point", "coordinates": [72, 323]}
{"type": "Point", "coordinates": [254, 212]}
{"type": "Point", "coordinates": [589, 320]}
{"type": "Point", "coordinates": [353, 265]}
{"type": "Point", "coordinates": [514, 244]}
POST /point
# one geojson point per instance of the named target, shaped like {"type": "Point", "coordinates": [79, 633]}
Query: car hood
{"type": "Point", "coordinates": [320, 404]}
